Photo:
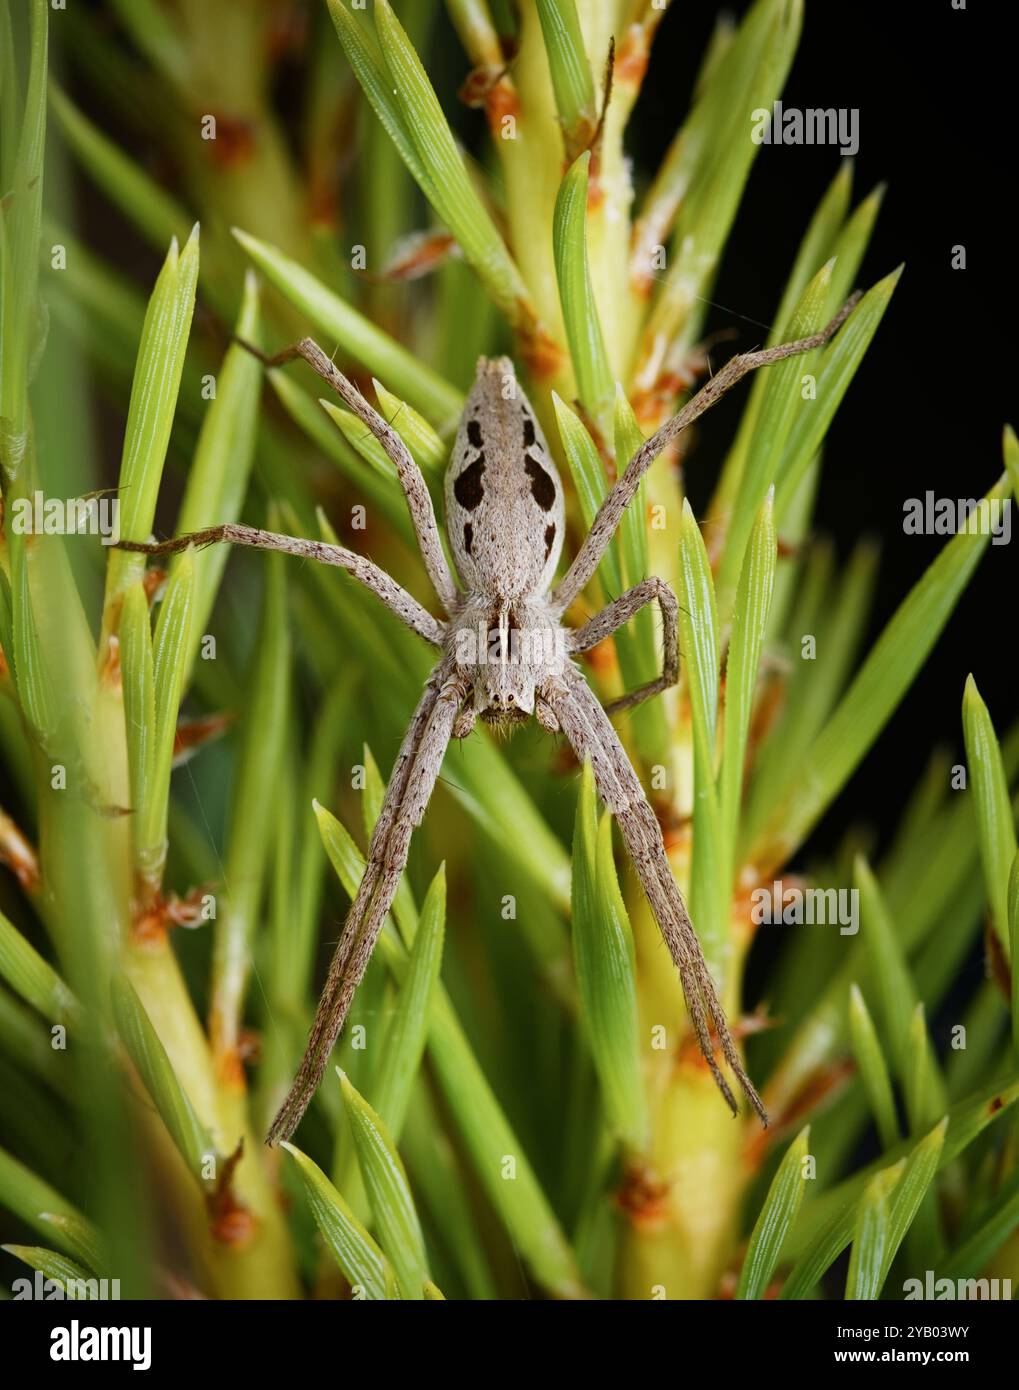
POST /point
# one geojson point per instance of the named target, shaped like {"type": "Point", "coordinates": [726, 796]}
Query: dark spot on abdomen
{"type": "Point", "coordinates": [528, 431]}
{"type": "Point", "coordinates": [474, 434]}
{"type": "Point", "coordinates": [542, 484]}
{"type": "Point", "coordinates": [549, 538]}
{"type": "Point", "coordinates": [468, 536]}
{"type": "Point", "coordinates": [467, 489]}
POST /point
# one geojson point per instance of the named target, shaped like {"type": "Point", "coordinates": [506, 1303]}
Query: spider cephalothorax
{"type": "Point", "coordinates": [507, 652]}
{"type": "Point", "coordinates": [504, 656]}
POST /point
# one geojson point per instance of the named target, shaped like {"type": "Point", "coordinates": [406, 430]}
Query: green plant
{"type": "Point", "coordinates": [517, 1088]}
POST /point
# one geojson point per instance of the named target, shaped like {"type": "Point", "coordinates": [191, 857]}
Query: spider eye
{"type": "Point", "coordinates": [511, 699]}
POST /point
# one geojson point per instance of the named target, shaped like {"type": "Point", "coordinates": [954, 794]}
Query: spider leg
{"type": "Point", "coordinates": [587, 727]}
{"type": "Point", "coordinates": [407, 795]}
{"type": "Point", "coordinates": [620, 611]}
{"type": "Point", "coordinates": [606, 519]}
{"type": "Point", "coordinates": [396, 598]}
{"type": "Point", "coordinates": [419, 502]}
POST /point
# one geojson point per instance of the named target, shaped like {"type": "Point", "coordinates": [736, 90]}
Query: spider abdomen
{"type": "Point", "coordinates": [504, 498]}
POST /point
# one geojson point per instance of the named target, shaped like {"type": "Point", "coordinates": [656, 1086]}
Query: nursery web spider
{"type": "Point", "coordinates": [505, 521]}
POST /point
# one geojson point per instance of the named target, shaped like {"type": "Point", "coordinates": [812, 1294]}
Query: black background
{"type": "Point", "coordinates": [745, 1337]}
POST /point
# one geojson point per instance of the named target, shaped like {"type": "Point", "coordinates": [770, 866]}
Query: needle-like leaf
{"type": "Point", "coordinates": [604, 955]}
{"type": "Point", "coordinates": [31, 976]}
{"type": "Point", "coordinates": [396, 1218]}
{"type": "Point", "coordinates": [698, 634]}
{"type": "Point", "coordinates": [576, 294]}
{"type": "Point", "coordinates": [873, 1068]}
{"type": "Point", "coordinates": [193, 1141]}
{"type": "Point", "coordinates": [869, 1256]}
{"type": "Point", "coordinates": [572, 81]}
{"type": "Point", "coordinates": [749, 624]}
{"type": "Point", "coordinates": [775, 1220]}
{"type": "Point", "coordinates": [992, 806]}
{"type": "Point", "coordinates": [366, 1269]}
{"type": "Point", "coordinates": [150, 416]}
{"type": "Point", "coordinates": [70, 1278]}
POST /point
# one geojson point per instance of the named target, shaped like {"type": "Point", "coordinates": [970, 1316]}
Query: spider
{"type": "Point", "coordinates": [504, 521]}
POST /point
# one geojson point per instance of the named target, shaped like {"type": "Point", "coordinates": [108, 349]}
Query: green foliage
{"type": "Point", "coordinates": [389, 1193]}
{"type": "Point", "coordinates": [603, 952]}
{"type": "Point", "coordinates": [777, 1215]}
{"type": "Point", "coordinates": [576, 293]}
{"type": "Point", "coordinates": [192, 1139]}
{"type": "Point", "coordinates": [364, 1266]}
